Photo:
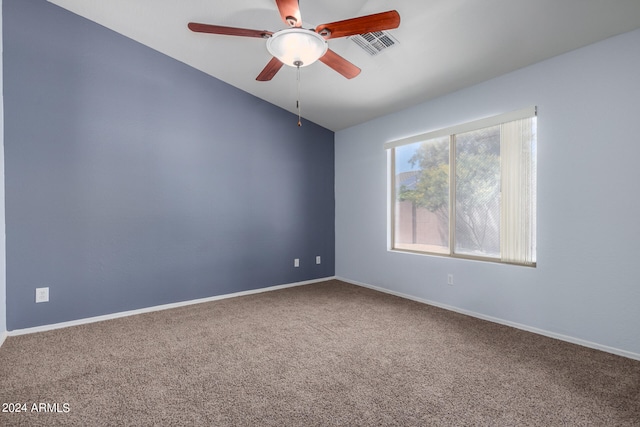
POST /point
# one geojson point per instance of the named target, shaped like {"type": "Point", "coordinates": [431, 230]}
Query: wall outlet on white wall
{"type": "Point", "coordinates": [42, 294]}
{"type": "Point", "coordinates": [450, 279]}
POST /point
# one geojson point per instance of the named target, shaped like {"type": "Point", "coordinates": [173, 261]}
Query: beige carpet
{"type": "Point", "coordinates": [323, 354]}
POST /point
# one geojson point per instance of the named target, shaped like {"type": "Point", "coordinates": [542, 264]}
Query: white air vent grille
{"type": "Point", "coordinates": [374, 43]}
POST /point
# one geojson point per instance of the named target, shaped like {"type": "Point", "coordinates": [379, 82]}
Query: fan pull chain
{"type": "Point", "coordinates": [297, 63]}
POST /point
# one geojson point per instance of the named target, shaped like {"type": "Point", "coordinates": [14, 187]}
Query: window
{"type": "Point", "coordinates": [467, 191]}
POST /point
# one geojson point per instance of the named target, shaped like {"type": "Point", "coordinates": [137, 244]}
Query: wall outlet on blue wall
{"type": "Point", "coordinates": [296, 262]}
{"type": "Point", "coordinates": [42, 294]}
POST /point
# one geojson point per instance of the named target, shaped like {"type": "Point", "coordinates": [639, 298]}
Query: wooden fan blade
{"type": "Point", "coordinates": [227, 31]}
{"type": "Point", "coordinates": [270, 70]}
{"type": "Point", "coordinates": [290, 12]}
{"type": "Point", "coordinates": [340, 64]}
{"type": "Point", "coordinates": [364, 24]}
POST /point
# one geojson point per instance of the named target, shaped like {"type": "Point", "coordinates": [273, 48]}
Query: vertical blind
{"type": "Point", "coordinates": [517, 219]}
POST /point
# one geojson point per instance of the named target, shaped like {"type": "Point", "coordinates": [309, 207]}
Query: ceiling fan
{"type": "Point", "coordinates": [299, 47]}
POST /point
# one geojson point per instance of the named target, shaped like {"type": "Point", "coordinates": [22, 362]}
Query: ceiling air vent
{"type": "Point", "coordinates": [375, 42]}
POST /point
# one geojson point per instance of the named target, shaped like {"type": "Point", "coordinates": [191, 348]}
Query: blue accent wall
{"type": "Point", "coordinates": [3, 292]}
{"type": "Point", "coordinates": [133, 180]}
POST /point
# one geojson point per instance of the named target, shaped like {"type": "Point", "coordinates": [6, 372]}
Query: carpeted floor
{"type": "Point", "coordinates": [323, 354]}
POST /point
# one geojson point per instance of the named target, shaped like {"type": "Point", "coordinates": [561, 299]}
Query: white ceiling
{"type": "Point", "coordinates": [444, 45]}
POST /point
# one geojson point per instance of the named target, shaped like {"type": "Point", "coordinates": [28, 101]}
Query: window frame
{"type": "Point", "coordinates": [451, 132]}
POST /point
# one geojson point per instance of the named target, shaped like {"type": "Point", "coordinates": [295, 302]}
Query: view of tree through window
{"type": "Point", "coordinates": [480, 222]}
{"type": "Point", "coordinates": [424, 196]}
{"type": "Point", "coordinates": [478, 192]}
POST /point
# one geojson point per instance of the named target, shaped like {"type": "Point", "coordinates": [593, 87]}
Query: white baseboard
{"type": "Point", "coordinates": [3, 336]}
{"type": "Point", "coordinates": [51, 327]}
{"type": "Point", "coordinates": [573, 340]}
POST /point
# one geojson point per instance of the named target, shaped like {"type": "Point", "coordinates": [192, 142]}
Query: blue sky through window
{"type": "Point", "coordinates": [403, 154]}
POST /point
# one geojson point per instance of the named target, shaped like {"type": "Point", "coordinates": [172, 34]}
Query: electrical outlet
{"type": "Point", "coordinates": [450, 279]}
{"type": "Point", "coordinates": [42, 294]}
{"type": "Point", "coordinates": [318, 260]}
{"type": "Point", "coordinates": [296, 262]}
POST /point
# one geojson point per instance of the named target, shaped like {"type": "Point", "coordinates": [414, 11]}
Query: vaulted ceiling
{"type": "Point", "coordinates": [442, 45]}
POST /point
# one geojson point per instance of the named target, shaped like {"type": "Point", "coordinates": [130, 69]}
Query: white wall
{"type": "Point", "coordinates": [3, 293]}
{"type": "Point", "coordinates": [586, 287]}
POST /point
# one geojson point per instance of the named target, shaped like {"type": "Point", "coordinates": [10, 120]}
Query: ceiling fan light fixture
{"type": "Point", "coordinates": [297, 47]}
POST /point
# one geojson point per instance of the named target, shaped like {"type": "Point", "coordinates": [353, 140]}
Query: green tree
{"type": "Point", "coordinates": [478, 191]}
{"type": "Point", "coordinates": [431, 190]}
{"type": "Point", "coordinates": [477, 170]}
